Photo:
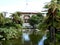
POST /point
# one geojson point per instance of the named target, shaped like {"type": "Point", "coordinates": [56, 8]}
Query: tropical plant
{"type": "Point", "coordinates": [10, 27]}
{"type": "Point", "coordinates": [9, 33]}
{"type": "Point", "coordinates": [16, 18]}
{"type": "Point", "coordinates": [52, 20]}
{"type": "Point", "coordinates": [2, 19]}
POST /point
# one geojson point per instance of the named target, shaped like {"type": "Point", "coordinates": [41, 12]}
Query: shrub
{"type": "Point", "coordinates": [10, 33]}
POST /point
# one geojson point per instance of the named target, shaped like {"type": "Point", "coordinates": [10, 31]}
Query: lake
{"type": "Point", "coordinates": [26, 39]}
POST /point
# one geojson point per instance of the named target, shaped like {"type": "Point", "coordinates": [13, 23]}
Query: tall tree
{"type": "Point", "coordinates": [52, 20]}
{"type": "Point", "coordinates": [35, 19]}
{"type": "Point", "coordinates": [16, 18]}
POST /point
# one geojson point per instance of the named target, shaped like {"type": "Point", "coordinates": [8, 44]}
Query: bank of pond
{"type": "Point", "coordinates": [26, 38]}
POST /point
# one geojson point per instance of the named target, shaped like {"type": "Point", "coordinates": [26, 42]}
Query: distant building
{"type": "Point", "coordinates": [25, 16]}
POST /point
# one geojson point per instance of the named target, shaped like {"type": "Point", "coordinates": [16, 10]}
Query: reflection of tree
{"type": "Point", "coordinates": [27, 43]}
{"type": "Point", "coordinates": [12, 42]}
{"type": "Point", "coordinates": [0, 42]}
{"type": "Point", "coordinates": [35, 38]}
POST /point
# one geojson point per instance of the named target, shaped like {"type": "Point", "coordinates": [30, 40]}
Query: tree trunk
{"type": "Point", "coordinates": [52, 35]}
{"type": "Point", "coordinates": [34, 29]}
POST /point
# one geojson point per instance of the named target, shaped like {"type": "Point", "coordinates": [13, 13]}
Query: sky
{"type": "Point", "coordinates": [22, 5]}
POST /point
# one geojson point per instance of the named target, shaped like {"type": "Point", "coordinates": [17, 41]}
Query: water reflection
{"type": "Point", "coordinates": [26, 39]}
{"type": "Point", "coordinates": [0, 43]}
{"type": "Point", "coordinates": [35, 38]}
{"type": "Point", "coordinates": [41, 42]}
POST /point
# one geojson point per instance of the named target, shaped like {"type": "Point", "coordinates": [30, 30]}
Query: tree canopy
{"type": "Point", "coordinates": [35, 19]}
{"type": "Point", "coordinates": [52, 17]}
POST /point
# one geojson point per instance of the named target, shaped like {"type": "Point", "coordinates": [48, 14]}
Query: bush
{"type": "Point", "coordinates": [10, 33]}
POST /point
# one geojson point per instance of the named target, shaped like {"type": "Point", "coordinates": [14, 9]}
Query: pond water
{"type": "Point", "coordinates": [26, 39]}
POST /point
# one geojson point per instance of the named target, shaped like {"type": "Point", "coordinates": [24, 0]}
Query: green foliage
{"type": "Point", "coordinates": [16, 18]}
{"type": "Point", "coordinates": [18, 26]}
{"type": "Point", "coordinates": [58, 36]}
{"type": "Point", "coordinates": [33, 20]}
{"type": "Point", "coordinates": [52, 17]}
{"type": "Point", "coordinates": [2, 19]}
{"type": "Point", "coordinates": [47, 41]}
{"type": "Point", "coordinates": [36, 19]}
{"type": "Point", "coordinates": [8, 20]}
{"type": "Point", "coordinates": [10, 27]}
{"type": "Point", "coordinates": [42, 26]}
{"type": "Point", "coordinates": [10, 33]}
{"type": "Point", "coordinates": [35, 38]}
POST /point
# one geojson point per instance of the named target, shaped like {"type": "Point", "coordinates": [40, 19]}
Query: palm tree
{"type": "Point", "coordinates": [2, 19]}
{"type": "Point", "coordinates": [16, 18]}
{"type": "Point", "coordinates": [52, 20]}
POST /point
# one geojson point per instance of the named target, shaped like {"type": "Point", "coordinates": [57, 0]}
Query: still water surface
{"type": "Point", "coordinates": [26, 39]}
